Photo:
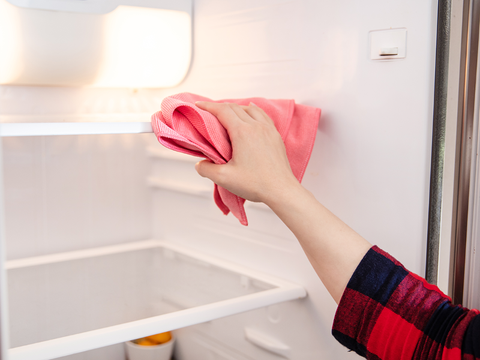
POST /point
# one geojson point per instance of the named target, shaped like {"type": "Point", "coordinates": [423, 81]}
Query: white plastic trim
{"type": "Point", "coordinates": [81, 254]}
{"type": "Point", "coordinates": [4, 316]}
{"type": "Point", "coordinates": [76, 118]}
{"type": "Point", "coordinates": [87, 128]}
{"type": "Point", "coordinates": [68, 345]}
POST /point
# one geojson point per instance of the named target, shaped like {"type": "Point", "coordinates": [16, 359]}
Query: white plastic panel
{"type": "Point", "coordinates": [370, 169]}
{"type": "Point", "coordinates": [371, 161]}
{"type": "Point", "coordinates": [68, 303]}
{"type": "Point", "coordinates": [66, 193]}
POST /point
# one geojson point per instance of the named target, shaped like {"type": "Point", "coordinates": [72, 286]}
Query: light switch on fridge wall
{"type": "Point", "coordinates": [388, 44]}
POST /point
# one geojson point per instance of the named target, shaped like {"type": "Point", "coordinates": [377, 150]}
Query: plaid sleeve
{"type": "Point", "coordinates": [387, 312]}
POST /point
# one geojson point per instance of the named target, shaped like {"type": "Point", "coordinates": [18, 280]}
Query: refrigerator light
{"type": "Point", "coordinates": [145, 47]}
{"type": "Point", "coordinates": [130, 46]}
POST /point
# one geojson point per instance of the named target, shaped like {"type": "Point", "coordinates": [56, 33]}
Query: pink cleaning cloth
{"type": "Point", "coordinates": [183, 127]}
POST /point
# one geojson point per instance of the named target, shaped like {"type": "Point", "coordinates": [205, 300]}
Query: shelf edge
{"type": "Point", "coordinates": [80, 128]}
{"type": "Point", "coordinates": [80, 254]}
{"type": "Point", "coordinates": [284, 291]}
{"type": "Point", "coordinates": [124, 332]}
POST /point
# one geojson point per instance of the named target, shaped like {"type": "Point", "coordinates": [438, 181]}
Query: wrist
{"type": "Point", "coordinates": [285, 194]}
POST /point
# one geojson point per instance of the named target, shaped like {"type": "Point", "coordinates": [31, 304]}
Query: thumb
{"type": "Point", "coordinates": [208, 169]}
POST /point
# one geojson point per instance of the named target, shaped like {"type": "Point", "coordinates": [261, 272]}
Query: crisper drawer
{"type": "Point", "coordinates": [77, 301]}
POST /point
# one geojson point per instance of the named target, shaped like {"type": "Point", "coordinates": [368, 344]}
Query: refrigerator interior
{"type": "Point", "coordinates": [370, 165]}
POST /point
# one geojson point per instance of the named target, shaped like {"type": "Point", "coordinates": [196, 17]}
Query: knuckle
{"type": "Point", "coordinates": [223, 110]}
{"type": "Point", "coordinates": [225, 105]}
{"type": "Point", "coordinates": [234, 106]}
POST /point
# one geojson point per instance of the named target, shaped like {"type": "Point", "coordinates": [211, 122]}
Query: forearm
{"type": "Point", "coordinates": [260, 171]}
{"type": "Point", "coordinates": [333, 249]}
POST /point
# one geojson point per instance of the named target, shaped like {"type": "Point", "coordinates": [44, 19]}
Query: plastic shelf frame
{"type": "Point", "coordinates": [139, 289]}
{"type": "Point", "coordinates": [73, 128]}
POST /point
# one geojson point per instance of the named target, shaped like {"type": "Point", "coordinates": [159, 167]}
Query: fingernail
{"type": "Point", "coordinates": [199, 102]}
{"type": "Point", "coordinates": [252, 104]}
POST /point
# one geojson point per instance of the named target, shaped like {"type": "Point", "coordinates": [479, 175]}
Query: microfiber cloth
{"type": "Point", "coordinates": [183, 127]}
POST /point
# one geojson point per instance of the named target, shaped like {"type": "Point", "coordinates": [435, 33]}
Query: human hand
{"type": "Point", "coordinates": [259, 169]}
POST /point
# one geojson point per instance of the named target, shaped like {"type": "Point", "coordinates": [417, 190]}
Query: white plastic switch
{"type": "Point", "coordinates": [388, 51]}
{"type": "Point", "coordinates": [388, 44]}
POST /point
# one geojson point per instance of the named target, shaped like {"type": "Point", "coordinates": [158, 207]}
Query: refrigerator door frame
{"type": "Point", "coordinates": [457, 180]}
{"type": "Point", "coordinates": [471, 284]}
{"type": "Point", "coordinates": [452, 185]}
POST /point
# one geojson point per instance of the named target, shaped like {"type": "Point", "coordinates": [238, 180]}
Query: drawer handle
{"type": "Point", "coordinates": [267, 343]}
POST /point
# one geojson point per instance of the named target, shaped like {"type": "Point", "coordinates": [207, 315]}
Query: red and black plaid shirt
{"type": "Point", "coordinates": [386, 312]}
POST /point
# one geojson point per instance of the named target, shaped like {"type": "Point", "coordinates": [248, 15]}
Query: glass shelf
{"type": "Point", "coordinates": [67, 303]}
{"type": "Point", "coordinates": [74, 128]}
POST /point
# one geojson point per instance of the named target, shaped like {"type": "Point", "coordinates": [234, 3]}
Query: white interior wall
{"type": "Point", "coordinates": [74, 192]}
{"type": "Point", "coordinates": [370, 164]}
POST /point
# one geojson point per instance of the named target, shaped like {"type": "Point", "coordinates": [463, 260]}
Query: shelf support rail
{"type": "Point", "coordinates": [74, 128]}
